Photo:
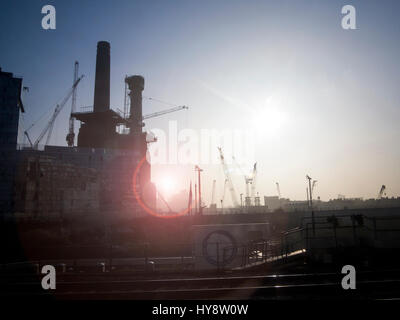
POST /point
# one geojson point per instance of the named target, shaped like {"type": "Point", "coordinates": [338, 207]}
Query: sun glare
{"type": "Point", "coordinates": [167, 185]}
{"type": "Point", "coordinates": [270, 118]}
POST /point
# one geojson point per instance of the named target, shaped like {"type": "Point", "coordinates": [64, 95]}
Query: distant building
{"type": "Point", "coordinates": [272, 202]}
{"type": "Point", "coordinates": [10, 107]}
{"type": "Point", "coordinates": [105, 172]}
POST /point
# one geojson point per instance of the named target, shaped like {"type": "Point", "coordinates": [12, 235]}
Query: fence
{"type": "Point", "coordinates": [329, 232]}
{"type": "Point", "coordinates": [342, 231]}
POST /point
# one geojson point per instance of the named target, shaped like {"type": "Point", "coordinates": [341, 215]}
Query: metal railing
{"type": "Point", "coordinates": [329, 229]}
{"type": "Point", "coordinates": [248, 254]}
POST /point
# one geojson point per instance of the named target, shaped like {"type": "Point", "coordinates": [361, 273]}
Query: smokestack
{"type": "Point", "coordinates": [136, 86]}
{"type": "Point", "coordinates": [102, 82]}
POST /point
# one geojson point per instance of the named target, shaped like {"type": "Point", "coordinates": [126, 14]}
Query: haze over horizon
{"type": "Point", "coordinates": [322, 100]}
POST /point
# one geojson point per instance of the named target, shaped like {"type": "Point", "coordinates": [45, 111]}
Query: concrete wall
{"type": "Point", "coordinates": [47, 187]}
{"type": "Point", "coordinates": [73, 167]}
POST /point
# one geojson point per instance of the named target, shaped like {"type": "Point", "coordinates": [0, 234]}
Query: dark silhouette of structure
{"type": "Point", "coordinates": [10, 107]}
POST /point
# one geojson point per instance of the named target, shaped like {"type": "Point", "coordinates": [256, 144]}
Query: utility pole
{"type": "Point", "coordinates": [311, 206]}
{"type": "Point", "coordinates": [197, 168]}
{"type": "Point", "coordinates": [195, 198]}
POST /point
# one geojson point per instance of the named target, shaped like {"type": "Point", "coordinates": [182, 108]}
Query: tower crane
{"type": "Point", "coordinates": [49, 127]}
{"type": "Point", "coordinates": [247, 180]}
{"type": "Point", "coordinates": [160, 113]}
{"type": "Point", "coordinates": [228, 178]}
{"type": "Point", "coordinates": [71, 132]}
{"type": "Point", "coordinates": [157, 114]}
{"type": "Point", "coordinates": [126, 114]}
{"type": "Point", "coordinates": [313, 186]}
{"type": "Point", "coordinates": [278, 189]}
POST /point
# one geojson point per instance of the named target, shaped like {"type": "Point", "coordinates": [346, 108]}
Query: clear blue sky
{"type": "Point", "coordinates": [336, 91]}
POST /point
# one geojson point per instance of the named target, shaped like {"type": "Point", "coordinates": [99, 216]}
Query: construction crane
{"type": "Point", "coordinates": [160, 113]}
{"type": "Point", "coordinates": [223, 194]}
{"type": "Point", "coordinates": [49, 127]}
{"type": "Point", "coordinates": [29, 139]}
{"type": "Point", "coordinates": [382, 192]}
{"type": "Point", "coordinates": [154, 114]}
{"type": "Point", "coordinates": [126, 114]}
{"type": "Point", "coordinates": [278, 189]}
{"type": "Point", "coordinates": [313, 186]}
{"type": "Point", "coordinates": [228, 178]}
{"type": "Point", "coordinates": [126, 100]}
{"type": "Point", "coordinates": [71, 132]}
{"type": "Point", "coordinates": [248, 180]}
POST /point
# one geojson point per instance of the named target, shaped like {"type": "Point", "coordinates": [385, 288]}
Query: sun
{"type": "Point", "coordinates": [270, 118]}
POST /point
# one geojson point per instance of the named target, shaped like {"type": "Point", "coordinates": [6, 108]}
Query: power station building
{"type": "Point", "coordinates": [97, 174]}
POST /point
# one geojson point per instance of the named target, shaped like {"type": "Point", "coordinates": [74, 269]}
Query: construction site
{"type": "Point", "coordinates": [90, 208]}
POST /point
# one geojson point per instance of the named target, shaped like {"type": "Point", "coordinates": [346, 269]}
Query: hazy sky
{"type": "Point", "coordinates": [323, 101]}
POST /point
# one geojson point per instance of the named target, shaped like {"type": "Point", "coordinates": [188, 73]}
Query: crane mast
{"type": "Point", "coordinates": [126, 100]}
{"type": "Point", "coordinates": [278, 189]}
{"type": "Point", "coordinates": [223, 194]}
{"type": "Point", "coordinates": [248, 181]}
{"type": "Point", "coordinates": [254, 181]}
{"type": "Point", "coordinates": [71, 132]}
{"type": "Point", "coordinates": [228, 178]}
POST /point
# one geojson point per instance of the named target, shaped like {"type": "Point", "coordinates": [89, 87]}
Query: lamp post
{"type": "Point", "coordinates": [197, 168]}
{"type": "Point", "coordinates": [311, 205]}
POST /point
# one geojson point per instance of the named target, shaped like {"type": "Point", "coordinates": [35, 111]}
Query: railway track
{"type": "Point", "coordinates": [372, 284]}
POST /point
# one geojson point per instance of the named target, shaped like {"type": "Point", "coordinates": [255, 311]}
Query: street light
{"type": "Point", "coordinates": [312, 210]}
{"type": "Point", "coordinates": [197, 168]}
